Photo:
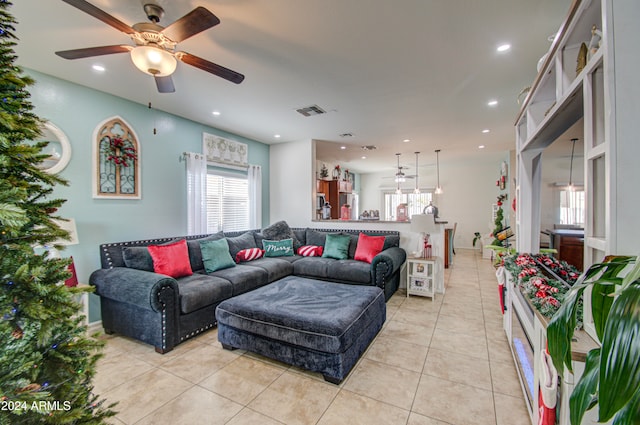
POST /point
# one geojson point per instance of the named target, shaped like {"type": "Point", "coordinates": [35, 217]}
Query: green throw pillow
{"type": "Point", "coordinates": [215, 255]}
{"type": "Point", "coordinates": [336, 246]}
{"type": "Point", "coordinates": [283, 248]}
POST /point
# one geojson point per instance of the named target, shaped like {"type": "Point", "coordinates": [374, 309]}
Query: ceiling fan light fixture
{"type": "Point", "coordinates": [154, 60]}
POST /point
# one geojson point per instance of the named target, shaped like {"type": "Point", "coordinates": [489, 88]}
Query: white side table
{"type": "Point", "coordinates": [421, 273]}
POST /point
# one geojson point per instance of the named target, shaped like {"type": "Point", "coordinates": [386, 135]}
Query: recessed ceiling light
{"type": "Point", "coordinates": [503, 47]}
{"type": "Point", "coordinates": [492, 102]}
{"type": "Point", "coordinates": [364, 157]}
{"type": "Point", "coordinates": [406, 140]}
{"type": "Point", "coordinates": [481, 147]}
{"type": "Point", "coordinates": [98, 68]}
{"type": "Point", "coordinates": [343, 147]}
{"type": "Point", "coordinates": [277, 136]}
{"type": "Point", "coordinates": [486, 130]}
{"type": "Point", "coordinates": [216, 113]}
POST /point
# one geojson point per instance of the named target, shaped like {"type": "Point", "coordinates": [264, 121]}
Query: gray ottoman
{"type": "Point", "coordinates": [320, 326]}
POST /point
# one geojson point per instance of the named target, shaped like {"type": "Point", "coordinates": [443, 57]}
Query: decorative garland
{"type": "Point", "coordinates": [118, 152]}
{"type": "Point", "coordinates": [545, 293]}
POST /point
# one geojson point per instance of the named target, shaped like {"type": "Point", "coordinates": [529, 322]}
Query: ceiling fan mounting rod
{"type": "Point", "coordinates": [154, 12]}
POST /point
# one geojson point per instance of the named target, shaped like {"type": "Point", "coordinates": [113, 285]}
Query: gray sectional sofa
{"type": "Point", "coordinates": [163, 311]}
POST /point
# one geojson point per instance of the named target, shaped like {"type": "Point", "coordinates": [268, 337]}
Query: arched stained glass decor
{"type": "Point", "coordinates": [117, 164]}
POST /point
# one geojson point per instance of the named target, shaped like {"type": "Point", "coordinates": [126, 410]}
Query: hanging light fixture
{"type": "Point", "coordinates": [398, 175]}
{"type": "Point", "coordinates": [438, 190]}
{"type": "Point", "coordinates": [417, 189]}
{"type": "Point", "coordinates": [573, 147]}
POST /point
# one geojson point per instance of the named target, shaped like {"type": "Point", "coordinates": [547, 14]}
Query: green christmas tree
{"type": "Point", "coordinates": [498, 222]}
{"type": "Point", "coordinates": [46, 360]}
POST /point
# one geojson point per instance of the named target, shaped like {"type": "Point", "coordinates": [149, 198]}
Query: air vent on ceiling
{"type": "Point", "coordinates": [369, 148]}
{"type": "Point", "coordinates": [346, 135]}
{"type": "Point", "coordinates": [309, 111]}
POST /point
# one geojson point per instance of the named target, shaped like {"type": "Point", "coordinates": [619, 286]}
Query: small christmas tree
{"type": "Point", "coordinates": [498, 222]}
{"type": "Point", "coordinates": [46, 360]}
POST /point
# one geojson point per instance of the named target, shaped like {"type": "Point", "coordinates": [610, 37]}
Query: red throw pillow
{"type": "Point", "coordinates": [249, 254]}
{"type": "Point", "coordinates": [310, 251]}
{"type": "Point", "coordinates": [171, 259]}
{"type": "Point", "coordinates": [368, 247]}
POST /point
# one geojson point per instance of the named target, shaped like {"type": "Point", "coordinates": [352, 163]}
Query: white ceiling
{"type": "Point", "coordinates": [384, 70]}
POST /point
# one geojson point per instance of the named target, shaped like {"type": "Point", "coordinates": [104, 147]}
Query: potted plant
{"type": "Point", "coordinates": [611, 378]}
{"type": "Point", "coordinates": [476, 237]}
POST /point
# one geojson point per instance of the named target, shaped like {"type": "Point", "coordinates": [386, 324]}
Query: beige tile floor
{"type": "Point", "coordinates": [435, 362]}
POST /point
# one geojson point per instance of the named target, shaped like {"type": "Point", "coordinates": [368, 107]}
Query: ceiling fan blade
{"type": "Point", "coordinates": [93, 51]}
{"type": "Point", "coordinates": [211, 67]}
{"type": "Point", "coordinates": [165, 84]}
{"type": "Point", "coordinates": [102, 15]}
{"type": "Point", "coordinates": [198, 20]}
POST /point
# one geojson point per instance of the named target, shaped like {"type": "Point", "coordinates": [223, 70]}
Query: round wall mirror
{"type": "Point", "coordinates": [58, 149]}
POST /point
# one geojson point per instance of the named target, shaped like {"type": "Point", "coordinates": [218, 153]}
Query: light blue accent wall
{"type": "Point", "coordinates": [162, 211]}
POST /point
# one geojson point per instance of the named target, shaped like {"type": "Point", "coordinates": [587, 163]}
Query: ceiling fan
{"type": "Point", "coordinates": [154, 51]}
{"type": "Point", "coordinates": [400, 176]}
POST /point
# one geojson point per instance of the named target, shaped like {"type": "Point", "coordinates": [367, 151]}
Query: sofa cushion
{"type": "Point", "coordinates": [281, 248]}
{"type": "Point", "coordinates": [195, 254]}
{"type": "Point", "coordinates": [243, 278]}
{"type": "Point", "coordinates": [137, 257]}
{"type": "Point", "coordinates": [336, 246]}
{"type": "Point", "coordinates": [368, 247]}
{"type": "Point", "coordinates": [314, 237]}
{"type": "Point", "coordinates": [215, 255]}
{"type": "Point", "coordinates": [310, 251]}
{"type": "Point", "coordinates": [171, 259]}
{"type": "Point", "coordinates": [313, 266]}
{"type": "Point", "coordinates": [276, 268]}
{"type": "Point", "coordinates": [238, 243]}
{"type": "Point", "coordinates": [198, 290]}
{"type": "Point", "coordinates": [249, 254]}
{"type": "Point", "coordinates": [352, 271]}
{"type": "Point", "coordinates": [279, 231]}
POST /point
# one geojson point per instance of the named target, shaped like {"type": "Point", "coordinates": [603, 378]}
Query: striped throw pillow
{"type": "Point", "coordinates": [249, 254]}
{"type": "Point", "coordinates": [310, 251]}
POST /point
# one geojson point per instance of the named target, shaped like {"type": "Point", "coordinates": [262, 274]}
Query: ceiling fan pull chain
{"type": "Point", "coordinates": [154, 122]}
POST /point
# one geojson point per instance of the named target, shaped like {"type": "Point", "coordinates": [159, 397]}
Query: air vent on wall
{"type": "Point", "coordinates": [309, 111]}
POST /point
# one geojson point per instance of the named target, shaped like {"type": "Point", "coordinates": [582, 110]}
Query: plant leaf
{"type": "Point", "coordinates": [601, 301]}
{"type": "Point", "coordinates": [620, 355]}
{"type": "Point", "coordinates": [585, 390]}
{"type": "Point", "coordinates": [630, 414]}
{"type": "Point", "coordinates": [560, 329]}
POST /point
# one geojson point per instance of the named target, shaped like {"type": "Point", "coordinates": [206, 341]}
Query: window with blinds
{"type": "Point", "coordinates": [227, 203]}
{"type": "Point", "coordinates": [572, 207]}
{"type": "Point", "coordinates": [416, 202]}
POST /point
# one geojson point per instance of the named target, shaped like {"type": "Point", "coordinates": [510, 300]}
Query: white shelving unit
{"type": "Point", "coordinates": [605, 95]}
{"type": "Point", "coordinates": [421, 276]}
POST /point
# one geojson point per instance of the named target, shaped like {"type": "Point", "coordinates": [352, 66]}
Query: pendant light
{"type": "Point", "coordinates": [438, 190]}
{"type": "Point", "coordinates": [417, 189]}
{"type": "Point", "coordinates": [398, 190]}
{"type": "Point", "coordinates": [573, 147]}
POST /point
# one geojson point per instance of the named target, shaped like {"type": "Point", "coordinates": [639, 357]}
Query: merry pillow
{"type": "Point", "coordinates": [283, 248]}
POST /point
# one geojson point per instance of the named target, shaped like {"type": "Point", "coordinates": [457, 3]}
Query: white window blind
{"type": "Point", "coordinates": [227, 203]}
{"type": "Point", "coordinates": [572, 207]}
{"type": "Point", "coordinates": [416, 203]}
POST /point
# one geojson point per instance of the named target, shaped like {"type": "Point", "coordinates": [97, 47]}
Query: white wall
{"type": "Point", "coordinates": [469, 192]}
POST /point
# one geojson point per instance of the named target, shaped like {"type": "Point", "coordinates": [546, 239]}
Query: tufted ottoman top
{"type": "Point", "coordinates": [317, 315]}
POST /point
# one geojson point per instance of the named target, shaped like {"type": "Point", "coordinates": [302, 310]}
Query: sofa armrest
{"type": "Point", "coordinates": [141, 288]}
{"type": "Point", "coordinates": [387, 263]}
